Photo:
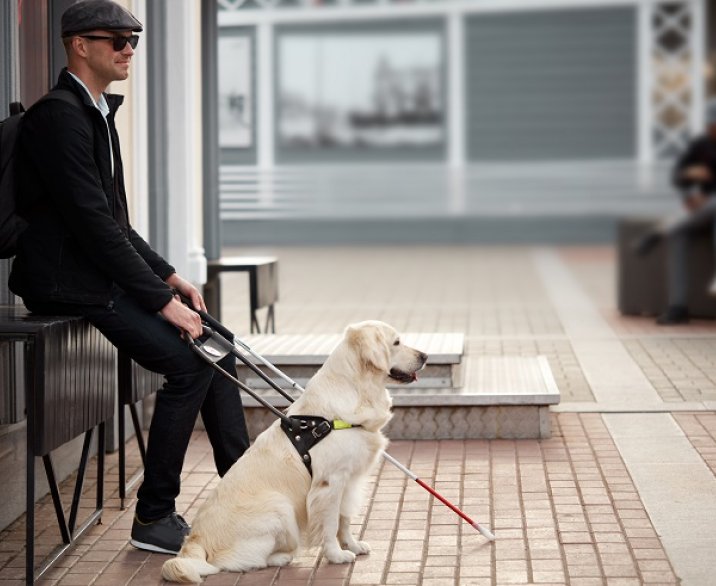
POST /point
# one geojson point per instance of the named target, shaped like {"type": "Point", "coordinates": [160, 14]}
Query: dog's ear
{"type": "Point", "coordinates": [370, 344]}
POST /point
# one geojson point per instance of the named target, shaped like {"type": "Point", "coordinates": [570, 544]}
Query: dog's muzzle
{"type": "Point", "coordinates": [402, 377]}
{"type": "Point", "coordinates": [408, 377]}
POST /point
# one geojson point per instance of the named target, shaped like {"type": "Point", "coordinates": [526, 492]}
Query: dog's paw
{"type": "Point", "coordinates": [359, 547]}
{"type": "Point", "coordinates": [340, 556]}
{"type": "Point", "coordinates": [279, 559]}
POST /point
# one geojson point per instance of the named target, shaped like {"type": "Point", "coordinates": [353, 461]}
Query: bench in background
{"type": "Point", "coordinates": [642, 280]}
{"type": "Point", "coordinates": [263, 286]}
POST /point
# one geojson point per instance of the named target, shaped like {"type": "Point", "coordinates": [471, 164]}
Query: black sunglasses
{"type": "Point", "coordinates": [118, 41]}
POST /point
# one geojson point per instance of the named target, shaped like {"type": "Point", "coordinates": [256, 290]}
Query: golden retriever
{"type": "Point", "coordinates": [268, 503]}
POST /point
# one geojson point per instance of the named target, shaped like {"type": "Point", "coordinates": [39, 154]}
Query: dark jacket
{"type": "Point", "coordinates": [79, 242]}
{"type": "Point", "coordinates": [700, 151]}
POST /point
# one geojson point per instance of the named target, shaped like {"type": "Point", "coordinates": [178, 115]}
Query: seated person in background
{"type": "Point", "coordinates": [695, 177]}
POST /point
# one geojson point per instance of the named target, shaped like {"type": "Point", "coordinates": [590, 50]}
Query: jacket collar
{"type": "Point", "coordinates": [66, 81]}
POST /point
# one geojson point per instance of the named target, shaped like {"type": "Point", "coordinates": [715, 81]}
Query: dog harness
{"type": "Point", "coordinates": [305, 431]}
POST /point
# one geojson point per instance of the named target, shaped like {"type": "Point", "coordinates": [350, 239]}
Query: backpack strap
{"type": "Point", "coordinates": [8, 138]}
{"type": "Point", "coordinates": [66, 96]}
{"type": "Point", "coordinates": [9, 129]}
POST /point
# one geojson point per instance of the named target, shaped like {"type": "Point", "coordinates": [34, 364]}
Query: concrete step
{"type": "Point", "coordinates": [300, 356]}
{"type": "Point", "coordinates": [460, 398]}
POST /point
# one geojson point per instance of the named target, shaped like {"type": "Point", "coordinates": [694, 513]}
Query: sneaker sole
{"type": "Point", "coordinates": [151, 547]}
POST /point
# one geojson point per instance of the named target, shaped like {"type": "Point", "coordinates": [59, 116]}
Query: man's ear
{"type": "Point", "coordinates": [76, 45]}
{"type": "Point", "coordinates": [370, 345]}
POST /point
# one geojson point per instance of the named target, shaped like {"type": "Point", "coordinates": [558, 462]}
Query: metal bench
{"type": "Point", "coordinates": [263, 286]}
{"type": "Point", "coordinates": [66, 369]}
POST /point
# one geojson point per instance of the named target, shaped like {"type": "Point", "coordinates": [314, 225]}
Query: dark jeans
{"type": "Point", "coordinates": [678, 233]}
{"type": "Point", "coordinates": [191, 386]}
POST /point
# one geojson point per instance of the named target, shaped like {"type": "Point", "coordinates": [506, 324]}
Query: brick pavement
{"type": "Point", "coordinates": [564, 510]}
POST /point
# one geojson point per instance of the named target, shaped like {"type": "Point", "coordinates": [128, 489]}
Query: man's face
{"type": "Point", "coordinates": [108, 64]}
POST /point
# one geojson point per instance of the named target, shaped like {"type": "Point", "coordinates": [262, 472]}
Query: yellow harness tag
{"type": "Point", "coordinates": [340, 424]}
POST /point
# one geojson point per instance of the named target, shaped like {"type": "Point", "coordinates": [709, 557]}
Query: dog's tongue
{"type": "Point", "coordinates": [415, 376]}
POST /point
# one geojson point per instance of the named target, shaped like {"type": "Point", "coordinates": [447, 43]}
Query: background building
{"type": "Point", "coordinates": [414, 120]}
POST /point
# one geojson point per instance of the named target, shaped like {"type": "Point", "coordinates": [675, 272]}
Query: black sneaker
{"type": "Point", "coordinates": [674, 314]}
{"type": "Point", "coordinates": [162, 536]}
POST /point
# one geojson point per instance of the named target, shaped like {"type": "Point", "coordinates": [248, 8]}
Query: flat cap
{"type": "Point", "coordinates": [88, 15]}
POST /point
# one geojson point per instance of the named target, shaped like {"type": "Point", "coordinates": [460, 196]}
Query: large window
{"type": "Point", "coordinates": [237, 95]}
{"type": "Point", "coordinates": [360, 92]}
{"type": "Point", "coordinates": [235, 91]}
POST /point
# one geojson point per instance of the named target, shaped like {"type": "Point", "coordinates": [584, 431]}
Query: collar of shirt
{"type": "Point", "coordinates": [100, 104]}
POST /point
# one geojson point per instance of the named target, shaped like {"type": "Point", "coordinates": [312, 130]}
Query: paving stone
{"type": "Point", "coordinates": [564, 508]}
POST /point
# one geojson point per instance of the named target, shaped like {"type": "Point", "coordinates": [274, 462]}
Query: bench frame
{"type": "Point", "coordinates": [263, 286]}
{"type": "Point", "coordinates": [37, 337]}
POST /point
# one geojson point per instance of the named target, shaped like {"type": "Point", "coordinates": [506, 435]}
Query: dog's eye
{"type": "Point", "coordinates": [396, 343]}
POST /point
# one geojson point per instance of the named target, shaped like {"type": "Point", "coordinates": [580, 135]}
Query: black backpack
{"type": "Point", "coordinates": [11, 223]}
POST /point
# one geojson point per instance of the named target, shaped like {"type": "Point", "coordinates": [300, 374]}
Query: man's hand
{"type": "Point", "coordinates": [188, 290]}
{"type": "Point", "coordinates": [178, 314]}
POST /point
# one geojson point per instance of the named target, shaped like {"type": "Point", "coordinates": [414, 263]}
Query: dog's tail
{"type": "Point", "coordinates": [189, 566]}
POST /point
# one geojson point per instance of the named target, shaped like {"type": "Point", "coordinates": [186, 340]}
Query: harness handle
{"type": "Point", "coordinates": [196, 347]}
{"type": "Point", "coordinates": [231, 347]}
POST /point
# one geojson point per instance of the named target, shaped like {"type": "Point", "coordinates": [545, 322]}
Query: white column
{"type": "Point", "coordinates": [140, 134]}
{"type": "Point", "coordinates": [184, 155]}
{"type": "Point", "coordinates": [645, 150]}
{"type": "Point", "coordinates": [456, 116]}
{"type": "Point", "coordinates": [698, 64]}
{"type": "Point", "coordinates": [265, 98]}
{"type": "Point", "coordinates": [456, 89]}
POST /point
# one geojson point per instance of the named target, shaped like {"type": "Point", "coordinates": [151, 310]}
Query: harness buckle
{"type": "Point", "coordinates": [322, 429]}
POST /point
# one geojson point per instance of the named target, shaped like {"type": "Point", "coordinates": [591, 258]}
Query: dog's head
{"type": "Point", "coordinates": [378, 348]}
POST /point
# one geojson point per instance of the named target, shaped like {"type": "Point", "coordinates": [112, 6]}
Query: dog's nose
{"type": "Point", "coordinates": [423, 357]}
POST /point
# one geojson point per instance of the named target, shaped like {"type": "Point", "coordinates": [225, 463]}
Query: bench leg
{"type": "Point", "coordinates": [67, 529]}
{"type": "Point", "coordinates": [270, 318]}
{"type": "Point", "coordinates": [79, 484]}
{"type": "Point", "coordinates": [30, 513]}
{"type": "Point", "coordinates": [122, 455]}
{"type": "Point", "coordinates": [125, 484]}
{"type": "Point", "coordinates": [101, 445]}
{"type": "Point", "coordinates": [212, 296]}
{"type": "Point", "coordinates": [138, 432]}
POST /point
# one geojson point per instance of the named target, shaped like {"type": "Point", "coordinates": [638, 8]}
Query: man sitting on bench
{"type": "Point", "coordinates": [695, 177]}
{"type": "Point", "coordinates": [80, 256]}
